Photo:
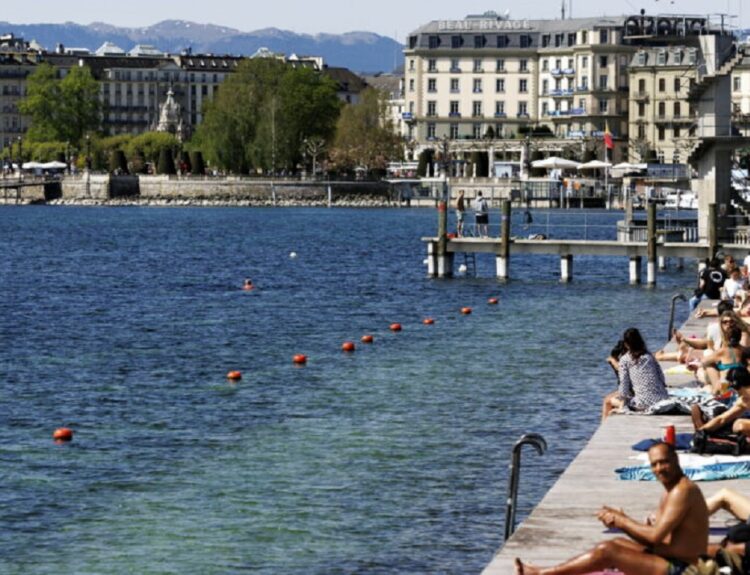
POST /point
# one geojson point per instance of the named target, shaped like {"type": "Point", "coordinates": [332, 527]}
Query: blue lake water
{"type": "Point", "coordinates": [121, 323]}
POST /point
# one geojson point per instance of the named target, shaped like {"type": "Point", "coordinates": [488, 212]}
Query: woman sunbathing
{"type": "Point", "coordinates": [727, 357]}
{"type": "Point", "coordinates": [641, 379]}
{"type": "Point", "coordinates": [739, 379]}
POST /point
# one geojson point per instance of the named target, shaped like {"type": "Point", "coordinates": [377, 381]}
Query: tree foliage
{"type": "Point", "coordinates": [61, 110]}
{"type": "Point", "coordinates": [150, 144]}
{"type": "Point", "coordinates": [365, 136]}
{"type": "Point", "coordinates": [262, 114]}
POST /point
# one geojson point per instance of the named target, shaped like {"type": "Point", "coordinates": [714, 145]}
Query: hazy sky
{"type": "Point", "coordinates": [387, 17]}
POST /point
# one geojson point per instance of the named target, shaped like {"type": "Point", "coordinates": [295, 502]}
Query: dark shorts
{"type": "Point", "coordinates": [483, 218]}
{"type": "Point", "coordinates": [677, 567]}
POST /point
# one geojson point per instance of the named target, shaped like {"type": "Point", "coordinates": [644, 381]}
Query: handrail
{"type": "Point", "coordinates": [538, 442]}
{"type": "Point", "coordinates": [675, 297]}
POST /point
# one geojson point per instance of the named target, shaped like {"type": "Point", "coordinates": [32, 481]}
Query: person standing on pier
{"type": "Point", "coordinates": [481, 213]}
{"type": "Point", "coordinates": [667, 545]}
{"type": "Point", "coordinates": [710, 283]}
{"type": "Point", "coordinates": [460, 213]}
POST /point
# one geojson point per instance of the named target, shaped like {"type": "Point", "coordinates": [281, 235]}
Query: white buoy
{"type": "Point", "coordinates": [292, 255]}
{"type": "Point", "coordinates": [462, 269]}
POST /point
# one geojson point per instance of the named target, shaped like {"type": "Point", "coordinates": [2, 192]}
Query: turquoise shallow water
{"type": "Point", "coordinates": [122, 323]}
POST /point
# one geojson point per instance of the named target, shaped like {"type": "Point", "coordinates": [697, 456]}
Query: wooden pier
{"type": "Point", "coordinates": [659, 244]}
{"type": "Point", "coordinates": [564, 523]}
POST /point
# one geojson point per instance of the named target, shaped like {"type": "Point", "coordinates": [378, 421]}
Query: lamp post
{"type": "Point", "coordinates": [20, 158]}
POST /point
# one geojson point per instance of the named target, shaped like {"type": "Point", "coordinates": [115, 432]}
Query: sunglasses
{"type": "Point", "coordinates": [727, 321]}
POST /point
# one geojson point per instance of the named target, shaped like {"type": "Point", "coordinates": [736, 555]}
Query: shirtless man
{"type": "Point", "coordinates": [667, 545]}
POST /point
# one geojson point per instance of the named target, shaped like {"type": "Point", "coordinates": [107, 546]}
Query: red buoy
{"type": "Point", "coordinates": [234, 375]}
{"type": "Point", "coordinates": [367, 338]}
{"type": "Point", "coordinates": [428, 321]}
{"type": "Point", "coordinates": [492, 301]}
{"type": "Point", "coordinates": [395, 327]}
{"type": "Point", "coordinates": [300, 359]}
{"type": "Point", "coordinates": [348, 346]}
{"type": "Point", "coordinates": [466, 310]}
{"type": "Point", "coordinates": [63, 434]}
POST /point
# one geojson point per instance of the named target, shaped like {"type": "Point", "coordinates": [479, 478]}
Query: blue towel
{"type": "Point", "coordinates": [711, 472]}
{"type": "Point", "coordinates": [682, 442]}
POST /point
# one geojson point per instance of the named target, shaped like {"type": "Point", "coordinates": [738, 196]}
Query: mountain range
{"type": "Point", "coordinates": [363, 52]}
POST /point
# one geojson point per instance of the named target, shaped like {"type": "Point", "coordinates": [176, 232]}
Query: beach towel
{"type": "Point", "coordinates": [709, 406]}
{"type": "Point", "coordinates": [682, 442]}
{"type": "Point", "coordinates": [712, 472]}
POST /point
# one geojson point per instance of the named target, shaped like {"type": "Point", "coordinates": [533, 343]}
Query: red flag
{"type": "Point", "coordinates": [608, 143]}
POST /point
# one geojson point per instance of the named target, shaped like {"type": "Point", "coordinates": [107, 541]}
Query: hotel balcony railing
{"type": "Point", "coordinates": [454, 115]}
{"type": "Point", "coordinates": [641, 96]}
{"type": "Point", "coordinates": [568, 71]}
{"type": "Point", "coordinates": [501, 115]}
{"type": "Point", "coordinates": [582, 88]}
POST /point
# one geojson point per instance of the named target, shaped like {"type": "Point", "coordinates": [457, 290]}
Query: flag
{"type": "Point", "coordinates": [608, 143]}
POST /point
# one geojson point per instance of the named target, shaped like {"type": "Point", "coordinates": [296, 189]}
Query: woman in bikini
{"type": "Point", "coordinates": [740, 381]}
{"type": "Point", "coordinates": [725, 358]}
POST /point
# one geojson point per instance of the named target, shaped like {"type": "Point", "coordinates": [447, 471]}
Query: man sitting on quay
{"type": "Point", "coordinates": [667, 545]}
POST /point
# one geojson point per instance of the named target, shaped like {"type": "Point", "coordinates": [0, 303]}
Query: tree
{"type": "Point", "coordinates": [149, 146]}
{"type": "Point", "coordinates": [365, 136]}
{"type": "Point", "coordinates": [166, 162]}
{"type": "Point", "coordinates": [425, 161]}
{"type": "Point", "coordinates": [262, 114]}
{"type": "Point", "coordinates": [61, 110]}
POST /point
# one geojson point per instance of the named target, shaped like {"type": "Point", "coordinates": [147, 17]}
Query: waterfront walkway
{"type": "Point", "coordinates": [564, 523]}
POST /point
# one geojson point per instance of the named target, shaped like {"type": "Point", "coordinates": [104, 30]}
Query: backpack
{"type": "Point", "coordinates": [719, 444]}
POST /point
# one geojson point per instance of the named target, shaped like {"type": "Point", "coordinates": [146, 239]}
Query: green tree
{"type": "Point", "coordinates": [262, 114]}
{"type": "Point", "coordinates": [149, 145]}
{"type": "Point", "coordinates": [61, 110]}
{"type": "Point", "coordinates": [365, 136]}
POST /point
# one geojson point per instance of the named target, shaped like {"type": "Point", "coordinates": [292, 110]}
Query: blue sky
{"type": "Point", "coordinates": [395, 18]}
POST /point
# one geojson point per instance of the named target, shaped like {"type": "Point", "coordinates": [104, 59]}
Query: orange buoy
{"type": "Point", "coordinates": [428, 321]}
{"type": "Point", "coordinates": [348, 346]}
{"type": "Point", "coordinates": [367, 338]}
{"type": "Point", "coordinates": [451, 236]}
{"type": "Point", "coordinates": [492, 301]}
{"type": "Point", "coordinates": [395, 327]}
{"type": "Point", "coordinates": [63, 434]}
{"type": "Point", "coordinates": [466, 310]}
{"type": "Point", "coordinates": [300, 359]}
{"type": "Point", "coordinates": [234, 375]}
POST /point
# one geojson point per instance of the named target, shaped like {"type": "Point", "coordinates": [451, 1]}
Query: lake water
{"type": "Point", "coordinates": [121, 323]}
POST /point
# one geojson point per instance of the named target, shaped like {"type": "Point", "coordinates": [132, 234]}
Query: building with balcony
{"type": "Point", "coordinates": [17, 60]}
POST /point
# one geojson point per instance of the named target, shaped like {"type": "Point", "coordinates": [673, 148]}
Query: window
{"type": "Point", "coordinates": [558, 64]}
{"type": "Point", "coordinates": [737, 83]}
{"type": "Point", "coordinates": [454, 85]}
{"type": "Point", "coordinates": [502, 41]}
{"type": "Point", "coordinates": [603, 61]}
{"type": "Point", "coordinates": [661, 57]}
{"type": "Point", "coordinates": [662, 109]}
{"type": "Point", "coordinates": [411, 107]}
{"type": "Point", "coordinates": [433, 42]}
{"type": "Point", "coordinates": [603, 82]}
{"type": "Point", "coordinates": [558, 40]}
{"type": "Point", "coordinates": [584, 82]}
{"type": "Point", "coordinates": [584, 62]}
{"type": "Point", "coordinates": [641, 86]}
{"type": "Point", "coordinates": [677, 85]}
{"type": "Point", "coordinates": [478, 65]}
{"type": "Point", "coordinates": [431, 131]}
{"type": "Point", "coordinates": [455, 66]}
{"type": "Point", "coordinates": [476, 131]}
{"type": "Point", "coordinates": [411, 65]}
{"type": "Point", "coordinates": [662, 85]}
{"type": "Point", "coordinates": [499, 108]}
{"type": "Point", "coordinates": [526, 41]}
{"type": "Point", "coordinates": [476, 109]}
{"type": "Point", "coordinates": [545, 108]}
{"type": "Point", "coordinates": [661, 133]}
{"type": "Point", "coordinates": [545, 65]}
{"type": "Point", "coordinates": [432, 85]}
{"type": "Point", "coordinates": [432, 108]}
{"type": "Point", "coordinates": [584, 37]}
{"type": "Point", "coordinates": [500, 85]}
{"type": "Point", "coordinates": [454, 108]}
{"type": "Point", "coordinates": [603, 37]}
{"type": "Point", "coordinates": [676, 131]}
{"type": "Point", "coordinates": [454, 131]}
{"type": "Point", "coordinates": [571, 39]}
{"type": "Point", "coordinates": [603, 106]}
{"type": "Point", "coordinates": [676, 110]}
{"type": "Point", "coordinates": [570, 63]}
{"type": "Point", "coordinates": [523, 65]}
{"type": "Point", "coordinates": [500, 65]}
{"type": "Point", "coordinates": [432, 65]}
{"type": "Point", "coordinates": [545, 40]}
{"type": "Point", "coordinates": [523, 84]}
{"type": "Point", "coordinates": [545, 87]}
{"type": "Point", "coordinates": [456, 41]}
{"type": "Point", "coordinates": [479, 41]}
{"type": "Point", "coordinates": [477, 85]}
{"type": "Point", "coordinates": [523, 109]}
{"type": "Point", "coordinates": [641, 109]}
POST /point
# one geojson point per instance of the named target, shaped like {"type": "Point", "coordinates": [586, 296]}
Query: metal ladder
{"type": "Point", "coordinates": [470, 261]}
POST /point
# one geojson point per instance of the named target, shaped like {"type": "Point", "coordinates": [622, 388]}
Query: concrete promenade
{"type": "Point", "coordinates": [564, 523]}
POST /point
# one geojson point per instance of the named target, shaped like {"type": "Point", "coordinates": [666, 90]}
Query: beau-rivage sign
{"type": "Point", "coordinates": [488, 24]}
